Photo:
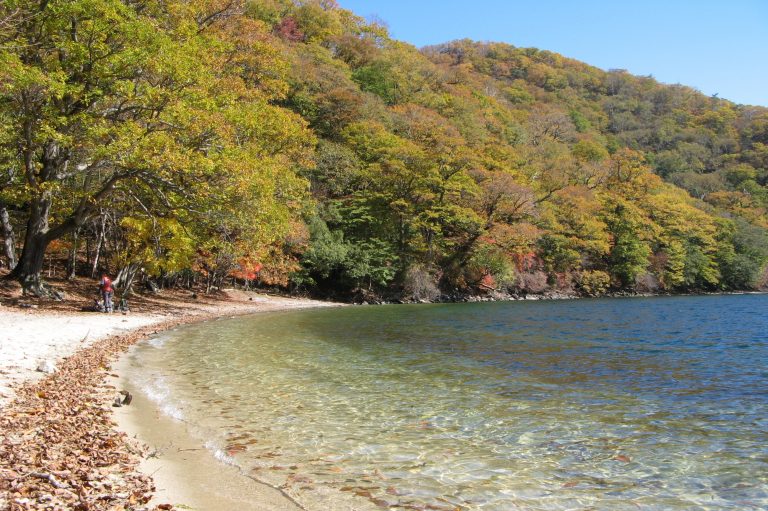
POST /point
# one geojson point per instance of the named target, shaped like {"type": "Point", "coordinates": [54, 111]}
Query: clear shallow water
{"type": "Point", "coordinates": [615, 404]}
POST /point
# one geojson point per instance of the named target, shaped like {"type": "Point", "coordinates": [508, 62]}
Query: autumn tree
{"type": "Point", "coordinates": [630, 249]}
{"type": "Point", "coordinates": [102, 95]}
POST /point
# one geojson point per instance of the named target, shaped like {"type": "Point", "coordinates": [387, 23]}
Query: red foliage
{"type": "Point", "coordinates": [489, 240]}
{"type": "Point", "coordinates": [488, 281]}
{"type": "Point", "coordinates": [526, 262]}
{"type": "Point", "coordinates": [247, 270]}
{"type": "Point", "coordinates": [288, 29]}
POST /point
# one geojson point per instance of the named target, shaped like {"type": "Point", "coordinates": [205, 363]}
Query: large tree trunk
{"type": "Point", "coordinates": [9, 238]}
{"type": "Point", "coordinates": [39, 233]}
{"type": "Point", "coordinates": [37, 238]}
{"type": "Point", "coordinates": [30, 266]}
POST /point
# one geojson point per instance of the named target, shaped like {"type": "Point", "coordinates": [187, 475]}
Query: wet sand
{"type": "Point", "coordinates": [191, 475]}
{"type": "Point", "coordinates": [185, 472]}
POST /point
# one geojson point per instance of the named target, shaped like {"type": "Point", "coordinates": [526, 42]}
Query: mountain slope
{"type": "Point", "coordinates": [481, 165]}
{"type": "Point", "coordinates": [296, 143]}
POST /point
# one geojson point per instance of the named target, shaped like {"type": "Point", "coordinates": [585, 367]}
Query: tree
{"type": "Point", "coordinates": [330, 258]}
{"type": "Point", "coordinates": [629, 251]}
{"type": "Point", "coordinates": [504, 199]}
{"type": "Point", "coordinates": [102, 99]}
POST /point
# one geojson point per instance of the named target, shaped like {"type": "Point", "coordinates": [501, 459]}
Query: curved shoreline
{"type": "Point", "coordinates": [185, 471]}
{"type": "Point", "coordinates": [60, 446]}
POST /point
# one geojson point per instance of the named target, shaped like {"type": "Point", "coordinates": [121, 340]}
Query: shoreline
{"type": "Point", "coordinates": [182, 467]}
{"type": "Point", "coordinates": [193, 474]}
{"type": "Point", "coordinates": [495, 296]}
{"type": "Point", "coordinates": [60, 446]}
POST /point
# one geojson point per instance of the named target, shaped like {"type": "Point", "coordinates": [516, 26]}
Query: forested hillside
{"type": "Point", "coordinates": [294, 144]}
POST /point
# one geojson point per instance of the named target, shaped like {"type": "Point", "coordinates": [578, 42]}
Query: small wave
{"type": "Point", "coordinates": [158, 342]}
{"type": "Point", "coordinates": [158, 391]}
{"type": "Point", "coordinates": [219, 454]}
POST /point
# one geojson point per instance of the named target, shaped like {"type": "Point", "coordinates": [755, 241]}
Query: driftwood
{"type": "Point", "coordinates": [51, 479]}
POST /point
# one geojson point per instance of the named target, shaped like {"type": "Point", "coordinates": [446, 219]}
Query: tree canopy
{"type": "Point", "coordinates": [296, 143]}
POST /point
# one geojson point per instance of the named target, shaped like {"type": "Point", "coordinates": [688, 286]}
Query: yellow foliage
{"type": "Point", "coordinates": [158, 244]}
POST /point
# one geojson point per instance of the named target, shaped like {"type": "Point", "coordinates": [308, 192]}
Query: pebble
{"type": "Point", "coordinates": [46, 366]}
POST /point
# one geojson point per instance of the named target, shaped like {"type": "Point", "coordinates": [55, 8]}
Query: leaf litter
{"type": "Point", "coordinates": [59, 447]}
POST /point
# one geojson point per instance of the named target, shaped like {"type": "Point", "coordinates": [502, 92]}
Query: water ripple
{"type": "Point", "coordinates": [591, 404]}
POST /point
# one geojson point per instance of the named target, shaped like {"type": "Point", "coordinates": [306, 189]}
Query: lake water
{"type": "Point", "coordinates": [653, 404]}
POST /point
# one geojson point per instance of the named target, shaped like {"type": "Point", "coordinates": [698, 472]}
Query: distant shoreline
{"type": "Point", "coordinates": [505, 297]}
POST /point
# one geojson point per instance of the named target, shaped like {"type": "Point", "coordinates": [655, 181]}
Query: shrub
{"type": "Point", "coordinates": [593, 282]}
{"type": "Point", "coordinates": [531, 282]}
{"type": "Point", "coordinates": [647, 283]}
{"type": "Point", "coordinates": [490, 260]}
{"type": "Point", "coordinates": [419, 284]}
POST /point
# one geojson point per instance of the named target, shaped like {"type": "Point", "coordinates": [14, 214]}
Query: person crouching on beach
{"type": "Point", "coordinates": [105, 286]}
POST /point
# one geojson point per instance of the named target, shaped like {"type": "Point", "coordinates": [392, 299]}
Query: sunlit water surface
{"type": "Point", "coordinates": [656, 404]}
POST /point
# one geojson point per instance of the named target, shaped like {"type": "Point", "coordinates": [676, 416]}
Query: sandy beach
{"type": "Point", "coordinates": [33, 338]}
{"type": "Point", "coordinates": [60, 447]}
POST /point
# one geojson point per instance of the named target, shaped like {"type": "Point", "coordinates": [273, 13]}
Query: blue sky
{"type": "Point", "coordinates": [718, 47]}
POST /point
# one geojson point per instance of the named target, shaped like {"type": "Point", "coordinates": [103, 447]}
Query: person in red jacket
{"type": "Point", "coordinates": [107, 291]}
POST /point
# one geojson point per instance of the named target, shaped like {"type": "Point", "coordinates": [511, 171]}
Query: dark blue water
{"type": "Point", "coordinates": [658, 403]}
